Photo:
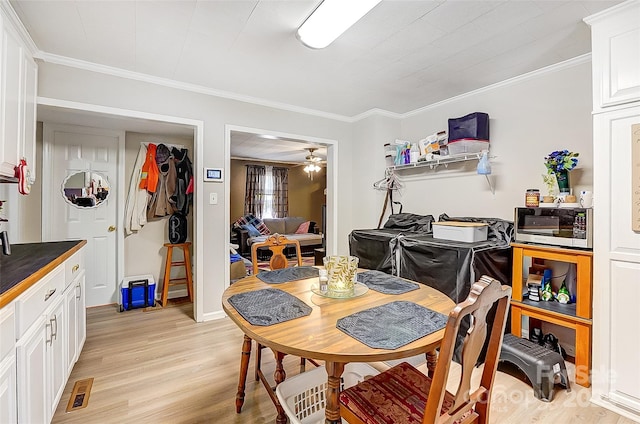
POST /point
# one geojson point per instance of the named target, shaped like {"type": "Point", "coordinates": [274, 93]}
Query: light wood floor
{"type": "Point", "coordinates": [160, 366]}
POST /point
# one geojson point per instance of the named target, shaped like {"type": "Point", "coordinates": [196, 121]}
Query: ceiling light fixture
{"type": "Point", "coordinates": [330, 19]}
{"type": "Point", "coordinates": [311, 164]}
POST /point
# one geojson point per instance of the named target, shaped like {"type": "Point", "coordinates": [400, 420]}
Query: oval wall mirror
{"type": "Point", "coordinates": [85, 189]}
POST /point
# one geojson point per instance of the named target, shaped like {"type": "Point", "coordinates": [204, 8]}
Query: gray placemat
{"type": "Point", "coordinates": [288, 274]}
{"type": "Point", "coordinates": [385, 283]}
{"type": "Point", "coordinates": [392, 325]}
{"type": "Point", "coordinates": [268, 306]}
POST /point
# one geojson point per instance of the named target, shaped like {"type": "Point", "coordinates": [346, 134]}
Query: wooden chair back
{"type": "Point", "coordinates": [484, 294]}
{"type": "Point", "coordinates": [276, 243]}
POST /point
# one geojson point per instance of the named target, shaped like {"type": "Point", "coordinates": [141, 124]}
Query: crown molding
{"type": "Point", "coordinates": [13, 17]}
{"type": "Point", "coordinates": [167, 82]}
{"type": "Point", "coordinates": [377, 112]}
{"type": "Point", "coordinates": [590, 20]}
{"type": "Point", "coordinates": [579, 60]}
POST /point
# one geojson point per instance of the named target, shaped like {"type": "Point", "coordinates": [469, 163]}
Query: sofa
{"type": "Point", "coordinates": [288, 226]}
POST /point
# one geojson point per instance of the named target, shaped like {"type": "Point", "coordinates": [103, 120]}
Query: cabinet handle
{"type": "Point", "coordinates": [75, 268]}
{"type": "Point", "coordinates": [54, 334]}
{"type": "Point", "coordinates": [49, 294]}
{"type": "Point", "coordinates": [79, 287]}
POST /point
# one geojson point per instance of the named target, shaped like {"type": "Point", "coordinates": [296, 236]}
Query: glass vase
{"type": "Point", "coordinates": [562, 177]}
{"type": "Point", "coordinates": [341, 272]}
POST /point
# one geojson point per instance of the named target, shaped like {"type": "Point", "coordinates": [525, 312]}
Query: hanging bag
{"type": "Point", "coordinates": [177, 228]}
{"type": "Point", "coordinates": [23, 174]}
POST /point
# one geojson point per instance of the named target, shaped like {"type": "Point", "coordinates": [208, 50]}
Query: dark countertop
{"type": "Point", "coordinates": [30, 262]}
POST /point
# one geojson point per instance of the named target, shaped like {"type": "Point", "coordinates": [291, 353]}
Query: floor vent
{"type": "Point", "coordinates": [80, 395]}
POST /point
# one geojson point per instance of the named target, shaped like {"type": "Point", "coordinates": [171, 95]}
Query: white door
{"type": "Point", "coordinates": [73, 150]}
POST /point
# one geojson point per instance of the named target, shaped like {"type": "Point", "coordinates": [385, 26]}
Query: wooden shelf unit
{"type": "Point", "coordinates": [576, 316]}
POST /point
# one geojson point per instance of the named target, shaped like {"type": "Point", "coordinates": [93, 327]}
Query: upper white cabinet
{"type": "Point", "coordinates": [615, 38]}
{"type": "Point", "coordinates": [18, 88]}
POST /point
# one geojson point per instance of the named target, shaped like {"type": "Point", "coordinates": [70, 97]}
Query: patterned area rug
{"type": "Point", "coordinates": [306, 261]}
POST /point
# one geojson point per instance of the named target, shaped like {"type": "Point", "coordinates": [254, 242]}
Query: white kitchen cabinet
{"type": "Point", "coordinates": [56, 367]}
{"type": "Point", "coordinates": [81, 314]}
{"type": "Point", "coordinates": [75, 314]}
{"type": "Point", "coordinates": [50, 329]}
{"type": "Point", "coordinates": [42, 366]}
{"type": "Point", "coordinates": [18, 90]}
{"type": "Point", "coordinates": [8, 405]}
{"type": "Point", "coordinates": [31, 353]}
{"type": "Point", "coordinates": [615, 35]}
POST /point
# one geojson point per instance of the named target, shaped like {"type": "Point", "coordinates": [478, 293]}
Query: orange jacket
{"type": "Point", "coordinates": [150, 173]}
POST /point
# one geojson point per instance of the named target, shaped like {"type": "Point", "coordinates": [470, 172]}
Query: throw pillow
{"type": "Point", "coordinates": [303, 228]}
{"type": "Point", "coordinates": [255, 221]}
{"type": "Point", "coordinates": [253, 231]}
{"type": "Point", "coordinates": [312, 226]}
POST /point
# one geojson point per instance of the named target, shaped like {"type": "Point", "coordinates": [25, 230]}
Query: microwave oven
{"type": "Point", "coordinates": [569, 227]}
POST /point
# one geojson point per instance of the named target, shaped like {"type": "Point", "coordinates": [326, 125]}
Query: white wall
{"type": "Point", "coordinates": [371, 134]}
{"type": "Point", "coordinates": [60, 82]}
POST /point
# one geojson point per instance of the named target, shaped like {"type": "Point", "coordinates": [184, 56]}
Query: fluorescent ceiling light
{"type": "Point", "coordinates": [331, 19]}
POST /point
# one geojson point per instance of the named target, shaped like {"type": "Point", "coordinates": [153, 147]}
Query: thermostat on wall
{"type": "Point", "coordinates": [213, 174]}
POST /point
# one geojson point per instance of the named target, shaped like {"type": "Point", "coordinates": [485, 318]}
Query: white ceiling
{"type": "Point", "coordinates": [401, 56]}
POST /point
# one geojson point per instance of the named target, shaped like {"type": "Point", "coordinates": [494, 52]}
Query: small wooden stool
{"type": "Point", "coordinates": [186, 263]}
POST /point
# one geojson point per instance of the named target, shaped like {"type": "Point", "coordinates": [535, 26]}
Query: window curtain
{"type": "Point", "coordinates": [280, 192]}
{"type": "Point", "coordinates": [254, 190]}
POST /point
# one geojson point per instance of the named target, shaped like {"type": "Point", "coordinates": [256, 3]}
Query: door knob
{"type": "Point", "coordinates": [111, 228]}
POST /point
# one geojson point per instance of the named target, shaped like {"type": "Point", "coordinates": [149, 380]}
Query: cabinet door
{"type": "Point", "coordinates": [616, 55]}
{"type": "Point", "coordinates": [81, 314]}
{"type": "Point", "coordinates": [56, 352]}
{"type": "Point", "coordinates": [31, 355]}
{"type": "Point", "coordinates": [10, 97]}
{"type": "Point", "coordinates": [8, 405]}
{"type": "Point", "coordinates": [616, 262]}
{"type": "Point", "coordinates": [71, 332]}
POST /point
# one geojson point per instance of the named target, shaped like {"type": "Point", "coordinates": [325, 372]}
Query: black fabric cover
{"type": "Point", "coordinates": [451, 266]}
{"type": "Point", "coordinates": [499, 230]}
{"type": "Point", "coordinates": [373, 248]}
{"type": "Point", "coordinates": [410, 222]}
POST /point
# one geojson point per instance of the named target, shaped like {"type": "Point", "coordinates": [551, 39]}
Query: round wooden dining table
{"type": "Point", "coordinates": [316, 337]}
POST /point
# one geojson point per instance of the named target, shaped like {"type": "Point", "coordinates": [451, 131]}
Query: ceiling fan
{"type": "Point", "coordinates": [312, 162]}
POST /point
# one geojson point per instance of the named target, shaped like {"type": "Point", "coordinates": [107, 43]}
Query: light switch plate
{"type": "Point", "coordinates": [213, 198]}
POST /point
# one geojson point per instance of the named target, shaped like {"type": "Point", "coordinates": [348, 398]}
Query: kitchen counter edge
{"type": "Point", "coordinates": [21, 287]}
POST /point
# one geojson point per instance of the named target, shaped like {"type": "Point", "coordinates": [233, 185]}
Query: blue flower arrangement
{"type": "Point", "coordinates": [561, 160]}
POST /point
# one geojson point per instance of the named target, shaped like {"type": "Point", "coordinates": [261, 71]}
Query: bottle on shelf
{"type": "Point", "coordinates": [563, 294]}
{"type": "Point", "coordinates": [414, 153]}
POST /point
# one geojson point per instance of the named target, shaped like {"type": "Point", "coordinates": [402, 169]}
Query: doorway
{"type": "Point", "coordinates": [248, 145]}
{"type": "Point", "coordinates": [63, 112]}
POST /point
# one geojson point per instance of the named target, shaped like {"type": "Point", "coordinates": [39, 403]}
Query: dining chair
{"type": "Point", "coordinates": [403, 395]}
{"type": "Point", "coordinates": [276, 243]}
